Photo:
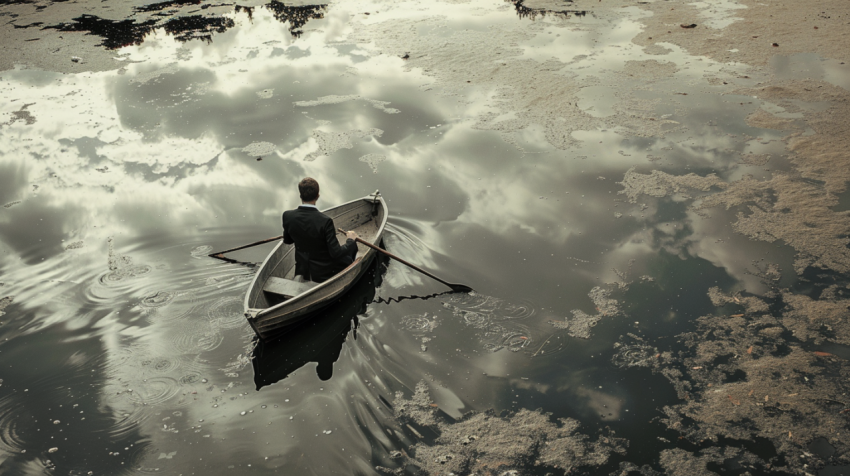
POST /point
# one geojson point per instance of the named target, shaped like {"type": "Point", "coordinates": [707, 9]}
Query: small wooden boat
{"type": "Point", "coordinates": [277, 299]}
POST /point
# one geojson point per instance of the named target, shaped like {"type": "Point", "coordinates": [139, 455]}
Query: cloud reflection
{"type": "Point", "coordinates": [152, 156]}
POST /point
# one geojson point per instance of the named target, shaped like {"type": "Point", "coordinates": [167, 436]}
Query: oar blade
{"type": "Point", "coordinates": [461, 288]}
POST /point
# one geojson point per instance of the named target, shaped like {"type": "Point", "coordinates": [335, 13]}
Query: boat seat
{"type": "Point", "coordinates": [287, 288]}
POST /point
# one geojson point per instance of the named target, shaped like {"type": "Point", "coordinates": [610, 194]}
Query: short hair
{"type": "Point", "coordinates": [309, 189]}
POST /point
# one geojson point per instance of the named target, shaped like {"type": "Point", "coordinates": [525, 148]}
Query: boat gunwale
{"type": "Point", "coordinates": [322, 286]}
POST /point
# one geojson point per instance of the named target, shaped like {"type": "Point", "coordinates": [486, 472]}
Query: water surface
{"type": "Point", "coordinates": [125, 349]}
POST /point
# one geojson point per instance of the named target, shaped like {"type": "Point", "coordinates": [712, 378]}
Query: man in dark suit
{"type": "Point", "coordinates": [318, 254]}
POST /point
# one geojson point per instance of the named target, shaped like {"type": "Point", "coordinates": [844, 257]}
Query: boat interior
{"type": "Point", "coordinates": [276, 281]}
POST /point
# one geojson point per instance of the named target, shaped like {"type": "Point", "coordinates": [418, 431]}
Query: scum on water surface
{"type": "Point", "coordinates": [654, 217]}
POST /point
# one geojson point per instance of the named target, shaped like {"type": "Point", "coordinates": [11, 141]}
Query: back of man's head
{"type": "Point", "coordinates": [309, 189]}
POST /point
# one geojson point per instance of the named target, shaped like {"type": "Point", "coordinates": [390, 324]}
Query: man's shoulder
{"type": "Point", "coordinates": [312, 213]}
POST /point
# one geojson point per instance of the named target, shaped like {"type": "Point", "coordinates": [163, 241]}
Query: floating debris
{"type": "Point", "coordinates": [752, 304]}
{"type": "Point", "coordinates": [259, 149]}
{"type": "Point", "coordinates": [636, 354]}
{"type": "Point", "coordinates": [330, 142]}
{"type": "Point", "coordinates": [740, 379]}
{"type": "Point", "coordinates": [485, 443]}
{"type": "Point", "coordinates": [418, 408]}
{"type": "Point", "coordinates": [373, 160]}
{"type": "Point", "coordinates": [660, 184]}
{"type": "Point", "coordinates": [121, 267]}
{"type": "Point", "coordinates": [581, 323]}
{"type": "Point", "coordinates": [4, 303]}
{"type": "Point", "coordinates": [21, 115]}
{"type": "Point", "coordinates": [74, 245]}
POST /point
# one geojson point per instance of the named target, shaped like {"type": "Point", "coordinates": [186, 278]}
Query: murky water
{"type": "Point", "coordinates": [124, 347]}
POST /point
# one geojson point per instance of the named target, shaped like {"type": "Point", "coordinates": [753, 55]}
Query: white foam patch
{"type": "Point", "coordinates": [335, 99]}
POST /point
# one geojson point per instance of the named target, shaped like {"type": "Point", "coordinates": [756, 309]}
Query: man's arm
{"type": "Point", "coordinates": [334, 249]}
{"type": "Point", "coordinates": [286, 238]}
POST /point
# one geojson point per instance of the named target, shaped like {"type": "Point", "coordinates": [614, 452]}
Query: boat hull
{"type": "Point", "coordinates": [275, 322]}
{"type": "Point", "coordinates": [268, 317]}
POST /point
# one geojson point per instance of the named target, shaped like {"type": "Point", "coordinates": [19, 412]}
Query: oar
{"type": "Point", "coordinates": [220, 254]}
{"type": "Point", "coordinates": [458, 288]}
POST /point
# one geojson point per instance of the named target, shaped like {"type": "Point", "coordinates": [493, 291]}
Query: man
{"type": "Point", "coordinates": [318, 254]}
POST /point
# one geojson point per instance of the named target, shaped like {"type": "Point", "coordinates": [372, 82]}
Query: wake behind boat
{"type": "Point", "coordinates": [277, 299]}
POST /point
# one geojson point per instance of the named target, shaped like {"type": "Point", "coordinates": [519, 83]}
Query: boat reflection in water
{"type": "Point", "coordinates": [320, 338]}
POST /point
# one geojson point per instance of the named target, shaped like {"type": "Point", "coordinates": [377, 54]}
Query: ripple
{"type": "Point", "coordinates": [495, 331]}
{"type": "Point", "coordinates": [506, 335]}
{"type": "Point", "coordinates": [191, 378]}
{"type": "Point", "coordinates": [635, 355]}
{"type": "Point", "coordinates": [9, 425]}
{"type": "Point", "coordinates": [128, 416]}
{"type": "Point", "coordinates": [405, 238]}
{"type": "Point", "coordinates": [120, 357]}
{"type": "Point", "coordinates": [475, 319]}
{"type": "Point", "coordinates": [162, 365]}
{"type": "Point", "coordinates": [121, 274]}
{"type": "Point", "coordinates": [226, 313]}
{"type": "Point", "coordinates": [179, 307]}
{"type": "Point", "coordinates": [216, 280]}
{"type": "Point", "coordinates": [156, 390]}
{"type": "Point", "coordinates": [418, 323]}
{"type": "Point", "coordinates": [517, 310]}
{"type": "Point", "coordinates": [468, 300]}
{"type": "Point", "coordinates": [159, 299]}
{"type": "Point", "coordinates": [201, 251]}
{"type": "Point", "coordinates": [196, 342]}
{"type": "Point", "coordinates": [492, 346]}
{"type": "Point", "coordinates": [516, 342]}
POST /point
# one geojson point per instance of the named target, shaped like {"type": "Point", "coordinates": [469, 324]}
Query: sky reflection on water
{"type": "Point", "coordinates": [125, 178]}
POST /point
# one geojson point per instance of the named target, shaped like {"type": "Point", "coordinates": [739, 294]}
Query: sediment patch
{"type": "Point", "coordinates": [489, 444]}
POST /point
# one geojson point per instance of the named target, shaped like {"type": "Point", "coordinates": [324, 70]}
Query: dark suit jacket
{"type": "Point", "coordinates": [318, 254]}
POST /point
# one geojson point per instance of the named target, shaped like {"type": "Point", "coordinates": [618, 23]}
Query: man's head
{"type": "Point", "coordinates": [309, 189]}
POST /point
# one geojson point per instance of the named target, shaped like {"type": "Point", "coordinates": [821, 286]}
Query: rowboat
{"type": "Point", "coordinates": [278, 300]}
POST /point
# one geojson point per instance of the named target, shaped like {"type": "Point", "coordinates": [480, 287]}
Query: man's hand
{"type": "Point", "coordinates": [352, 235]}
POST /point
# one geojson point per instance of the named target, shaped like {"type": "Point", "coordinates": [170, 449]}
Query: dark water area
{"type": "Point", "coordinates": [125, 349]}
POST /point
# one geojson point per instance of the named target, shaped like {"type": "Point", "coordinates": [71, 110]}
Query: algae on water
{"type": "Point", "coordinates": [488, 444]}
